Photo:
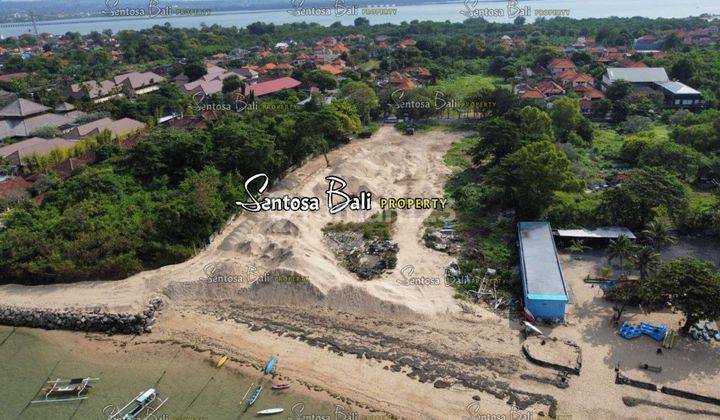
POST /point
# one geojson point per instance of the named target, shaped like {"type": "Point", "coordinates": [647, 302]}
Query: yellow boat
{"type": "Point", "coordinates": [221, 362]}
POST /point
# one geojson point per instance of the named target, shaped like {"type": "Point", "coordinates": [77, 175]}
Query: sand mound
{"type": "Point", "coordinates": [281, 227]}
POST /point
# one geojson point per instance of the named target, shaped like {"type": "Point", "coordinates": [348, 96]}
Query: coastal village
{"type": "Point", "coordinates": [600, 288]}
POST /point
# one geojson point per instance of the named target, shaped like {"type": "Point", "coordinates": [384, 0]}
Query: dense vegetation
{"type": "Point", "coordinates": [156, 203]}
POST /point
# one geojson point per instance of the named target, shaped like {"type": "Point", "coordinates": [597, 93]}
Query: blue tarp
{"type": "Point", "coordinates": [630, 331]}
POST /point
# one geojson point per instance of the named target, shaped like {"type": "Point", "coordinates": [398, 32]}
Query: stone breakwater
{"type": "Point", "coordinates": [88, 321]}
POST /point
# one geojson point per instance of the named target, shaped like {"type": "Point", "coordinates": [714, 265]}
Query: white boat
{"type": "Point", "coordinates": [141, 407]}
{"type": "Point", "coordinates": [531, 328]}
{"type": "Point", "coordinates": [270, 411]}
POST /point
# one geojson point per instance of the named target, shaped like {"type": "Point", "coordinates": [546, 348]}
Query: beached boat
{"type": "Point", "coordinates": [270, 365]}
{"type": "Point", "coordinates": [270, 411]}
{"type": "Point", "coordinates": [254, 397]}
{"type": "Point", "coordinates": [65, 390]}
{"type": "Point", "coordinates": [280, 386]}
{"type": "Point", "coordinates": [141, 407]}
{"type": "Point", "coordinates": [221, 362]}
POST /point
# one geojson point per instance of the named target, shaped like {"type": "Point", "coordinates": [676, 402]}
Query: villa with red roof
{"type": "Point", "coordinates": [271, 86]}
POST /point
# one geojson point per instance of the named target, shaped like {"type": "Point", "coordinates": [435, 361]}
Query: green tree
{"type": "Point", "coordinates": [657, 233]}
{"type": "Point", "coordinates": [688, 285]}
{"type": "Point", "coordinates": [194, 71]}
{"type": "Point", "coordinates": [647, 260]}
{"type": "Point", "coordinates": [619, 90]}
{"type": "Point", "coordinates": [635, 202]}
{"type": "Point", "coordinates": [621, 249]}
{"type": "Point", "coordinates": [362, 97]}
{"type": "Point", "coordinates": [529, 176]}
{"type": "Point", "coordinates": [231, 84]}
{"type": "Point", "coordinates": [498, 138]}
{"type": "Point", "coordinates": [323, 79]}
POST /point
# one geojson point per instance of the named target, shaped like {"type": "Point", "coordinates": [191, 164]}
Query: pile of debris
{"type": "Point", "coordinates": [368, 258]}
{"type": "Point", "coordinates": [443, 239]}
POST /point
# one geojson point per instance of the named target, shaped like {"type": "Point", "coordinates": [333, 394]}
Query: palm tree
{"type": "Point", "coordinates": [647, 260]}
{"type": "Point", "coordinates": [621, 248]}
{"type": "Point", "coordinates": [657, 234]}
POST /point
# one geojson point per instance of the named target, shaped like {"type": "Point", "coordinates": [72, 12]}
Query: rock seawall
{"type": "Point", "coordinates": [88, 321]}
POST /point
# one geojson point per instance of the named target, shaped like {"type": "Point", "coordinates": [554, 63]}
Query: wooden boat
{"type": "Point", "coordinates": [221, 362]}
{"type": "Point", "coordinates": [270, 366]}
{"type": "Point", "coordinates": [65, 390]}
{"type": "Point", "coordinates": [270, 411]}
{"type": "Point", "coordinates": [141, 407]}
{"type": "Point", "coordinates": [254, 397]}
{"type": "Point", "coordinates": [280, 386]}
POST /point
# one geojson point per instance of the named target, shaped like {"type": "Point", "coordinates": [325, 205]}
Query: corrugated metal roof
{"type": "Point", "coordinates": [678, 88]}
{"type": "Point", "coordinates": [542, 276]}
{"type": "Point", "coordinates": [638, 75]}
{"type": "Point", "coordinates": [598, 233]}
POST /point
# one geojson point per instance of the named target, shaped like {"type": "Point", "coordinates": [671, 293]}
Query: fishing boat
{"type": "Point", "coordinates": [221, 362]}
{"type": "Point", "coordinates": [254, 397]}
{"type": "Point", "coordinates": [270, 365]}
{"type": "Point", "coordinates": [280, 386]}
{"type": "Point", "coordinates": [270, 411]}
{"type": "Point", "coordinates": [65, 390]}
{"type": "Point", "coordinates": [141, 407]}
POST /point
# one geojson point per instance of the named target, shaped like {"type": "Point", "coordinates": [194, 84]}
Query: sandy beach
{"type": "Point", "coordinates": [382, 346]}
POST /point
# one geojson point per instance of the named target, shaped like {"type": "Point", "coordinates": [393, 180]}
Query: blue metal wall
{"type": "Point", "coordinates": [546, 309]}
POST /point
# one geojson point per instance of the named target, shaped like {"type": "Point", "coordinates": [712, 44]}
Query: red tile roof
{"type": "Point", "coordinates": [12, 76]}
{"type": "Point", "coordinates": [332, 69]}
{"type": "Point", "coordinates": [561, 63]}
{"type": "Point", "coordinates": [532, 94]}
{"type": "Point", "coordinates": [14, 186]}
{"type": "Point", "coordinates": [272, 86]}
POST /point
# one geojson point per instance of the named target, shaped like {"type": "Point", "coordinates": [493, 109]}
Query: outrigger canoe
{"type": "Point", "coordinates": [270, 411]}
{"type": "Point", "coordinates": [221, 362]}
{"type": "Point", "coordinates": [65, 390]}
{"type": "Point", "coordinates": [254, 397]}
{"type": "Point", "coordinates": [280, 386]}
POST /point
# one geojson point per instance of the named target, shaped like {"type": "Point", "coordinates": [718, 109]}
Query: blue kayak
{"type": "Point", "coordinates": [270, 366]}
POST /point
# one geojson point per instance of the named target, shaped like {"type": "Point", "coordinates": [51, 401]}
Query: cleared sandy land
{"type": "Point", "coordinates": [388, 165]}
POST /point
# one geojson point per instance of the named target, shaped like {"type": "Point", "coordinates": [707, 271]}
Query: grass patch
{"type": "Point", "coordinates": [462, 87]}
{"type": "Point", "coordinates": [459, 154]}
{"type": "Point", "coordinates": [379, 225]}
{"type": "Point", "coordinates": [702, 200]}
{"type": "Point", "coordinates": [370, 65]}
{"type": "Point", "coordinates": [607, 144]}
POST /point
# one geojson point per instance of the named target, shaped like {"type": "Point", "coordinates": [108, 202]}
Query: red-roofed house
{"type": "Point", "coordinates": [560, 65]}
{"type": "Point", "coordinates": [272, 86]}
{"type": "Point", "coordinates": [533, 94]}
{"type": "Point", "coordinates": [335, 70]}
{"type": "Point", "coordinates": [15, 189]}
{"type": "Point", "coordinates": [407, 42]}
{"type": "Point", "coordinates": [550, 88]}
{"type": "Point", "coordinates": [12, 76]}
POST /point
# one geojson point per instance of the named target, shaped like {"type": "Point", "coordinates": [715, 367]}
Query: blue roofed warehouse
{"type": "Point", "coordinates": [544, 289]}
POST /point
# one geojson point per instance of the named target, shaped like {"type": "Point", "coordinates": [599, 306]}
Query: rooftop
{"type": "Point", "coordinates": [598, 233]}
{"type": "Point", "coordinates": [638, 75]}
{"type": "Point", "coordinates": [679, 88]}
{"type": "Point", "coordinates": [271, 86]}
{"type": "Point", "coordinates": [20, 108]}
{"type": "Point", "coordinates": [542, 276]}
